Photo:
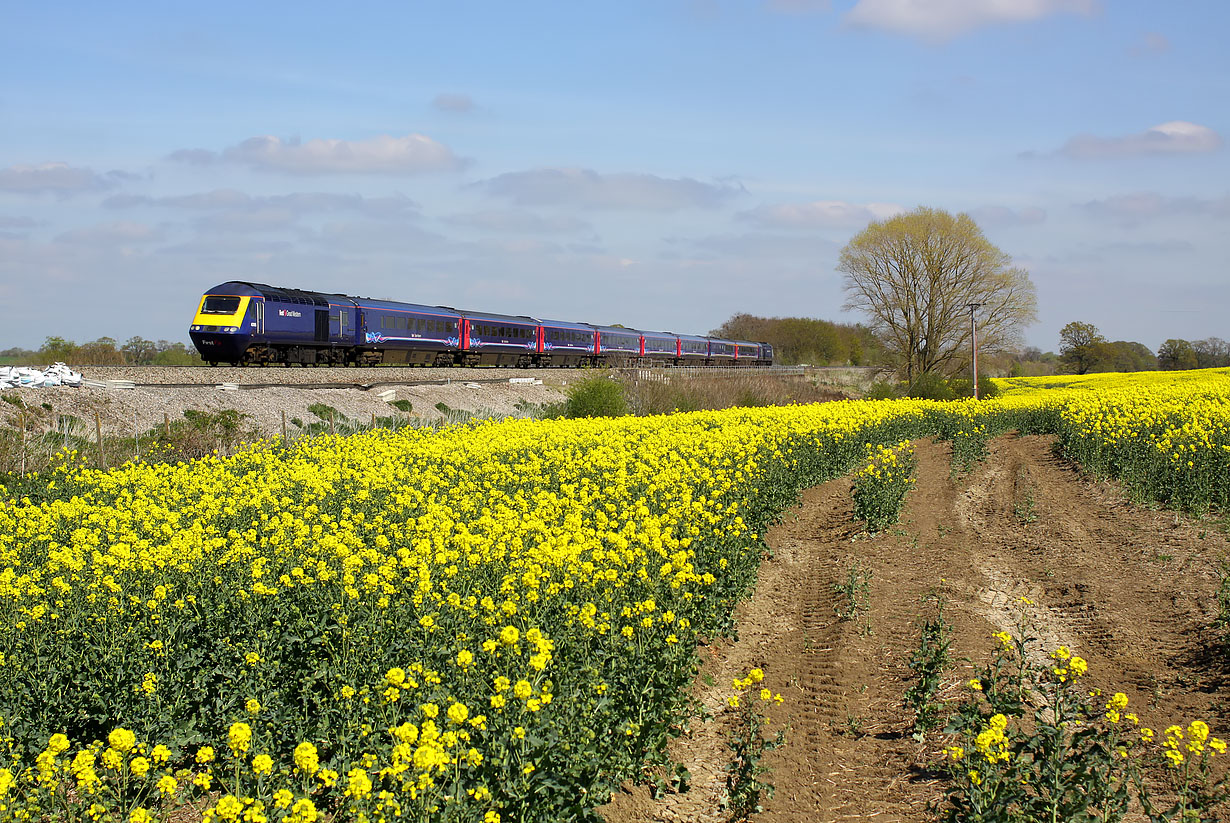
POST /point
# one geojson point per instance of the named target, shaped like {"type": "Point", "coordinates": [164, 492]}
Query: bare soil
{"type": "Point", "coordinates": [1130, 589]}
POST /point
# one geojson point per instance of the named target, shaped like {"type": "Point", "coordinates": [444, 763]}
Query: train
{"type": "Point", "coordinates": [243, 323]}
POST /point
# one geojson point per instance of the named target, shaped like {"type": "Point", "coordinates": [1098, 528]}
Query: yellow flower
{"type": "Point", "coordinates": [205, 754]}
{"type": "Point", "coordinates": [253, 706]}
{"type": "Point", "coordinates": [306, 758]}
{"type": "Point", "coordinates": [240, 737]}
{"type": "Point", "coordinates": [358, 783]}
{"type": "Point", "coordinates": [122, 740]}
{"type": "Point", "coordinates": [262, 764]}
{"type": "Point", "coordinates": [167, 786]}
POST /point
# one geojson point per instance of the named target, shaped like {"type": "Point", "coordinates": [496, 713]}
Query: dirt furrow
{"type": "Point", "coordinates": [1131, 589]}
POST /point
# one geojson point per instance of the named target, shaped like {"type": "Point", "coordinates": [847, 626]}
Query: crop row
{"type": "Point", "coordinates": [496, 621]}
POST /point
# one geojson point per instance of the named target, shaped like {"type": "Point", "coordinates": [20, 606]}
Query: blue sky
{"type": "Point", "coordinates": [657, 163]}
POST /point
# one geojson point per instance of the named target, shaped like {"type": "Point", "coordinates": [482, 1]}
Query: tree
{"type": "Point", "coordinates": [915, 276]}
{"type": "Point", "coordinates": [1081, 347]}
{"type": "Point", "coordinates": [57, 350]}
{"type": "Point", "coordinates": [1130, 356]}
{"type": "Point", "coordinates": [804, 339]}
{"type": "Point", "coordinates": [1176, 354]}
{"type": "Point", "coordinates": [1211, 352]}
{"type": "Point", "coordinates": [140, 351]}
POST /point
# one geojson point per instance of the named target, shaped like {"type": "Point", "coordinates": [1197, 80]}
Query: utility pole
{"type": "Point", "coordinates": [973, 341]}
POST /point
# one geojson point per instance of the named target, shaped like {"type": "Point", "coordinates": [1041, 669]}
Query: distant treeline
{"type": "Point", "coordinates": [104, 351]}
{"type": "Point", "coordinates": [1098, 355]}
{"type": "Point", "coordinates": [798, 340]}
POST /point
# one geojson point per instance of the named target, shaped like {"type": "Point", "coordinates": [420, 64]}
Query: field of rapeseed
{"type": "Point", "coordinates": [493, 622]}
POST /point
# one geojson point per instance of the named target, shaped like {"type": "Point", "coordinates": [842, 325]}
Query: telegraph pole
{"type": "Point", "coordinates": [973, 341]}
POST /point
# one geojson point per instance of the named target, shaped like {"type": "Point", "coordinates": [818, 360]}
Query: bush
{"type": "Point", "coordinates": [596, 397]}
{"type": "Point", "coordinates": [963, 387]}
{"type": "Point", "coordinates": [882, 390]}
{"type": "Point", "coordinates": [930, 386]}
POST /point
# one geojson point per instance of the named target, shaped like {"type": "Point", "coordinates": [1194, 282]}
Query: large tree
{"type": "Point", "coordinates": [1082, 348]}
{"type": "Point", "coordinates": [915, 277]}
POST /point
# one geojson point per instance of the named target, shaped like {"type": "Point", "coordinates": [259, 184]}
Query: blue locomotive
{"type": "Point", "coordinates": [254, 324]}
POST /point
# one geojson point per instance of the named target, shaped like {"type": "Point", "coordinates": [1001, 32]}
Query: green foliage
{"type": "Point", "coordinates": [403, 405]}
{"type": "Point", "coordinates": [596, 397]}
{"type": "Point", "coordinates": [1035, 742]}
{"type": "Point", "coordinates": [807, 340]}
{"type": "Point", "coordinates": [745, 775]}
{"type": "Point", "coordinates": [105, 352]}
{"type": "Point", "coordinates": [854, 595]}
{"type": "Point", "coordinates": [880, 485]}
{"type": "Point", "coordinates": [1177, 355]}
{"type": "Point", "coordinates": [931, 386]}
{"type": "Point", "coordinates": [882, 390]}
{"type": "Point", "coordinates": [928, 663]}
{"type": "Point", "coordinates": [964, 387]}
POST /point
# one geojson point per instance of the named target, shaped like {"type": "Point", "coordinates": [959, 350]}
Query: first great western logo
{"type": "Point", "coordinates": [289, 313]}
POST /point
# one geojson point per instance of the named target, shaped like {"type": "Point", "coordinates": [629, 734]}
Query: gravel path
{"type": "Point", "coordinates": [149, 404]}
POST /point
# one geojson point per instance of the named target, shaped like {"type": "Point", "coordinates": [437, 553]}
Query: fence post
{"type": "Point", "coordinates": [332, 427]}
{"type": "Point", "coordinates": [21, 417]}
{"type": "Point", "coordinates": [166, 426]}
{"type": "Point", "coordinates": [283, 427]}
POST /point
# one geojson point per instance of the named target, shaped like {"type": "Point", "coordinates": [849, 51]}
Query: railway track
{"type": "Point", "coordinates": [373, 377]}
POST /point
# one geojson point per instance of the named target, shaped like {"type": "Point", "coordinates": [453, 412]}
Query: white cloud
{"type": "Point", "coordinates": [17, 222]}
{"type": "Point", "coordinates": [58, 178]}
{"type": "Point", "coordinates": [1002, 216]}
{"type": "Point", "coordinates": [762, 245]}
{"type": "Point", "coordinates": [1134, 207]}
{"type": "Point", "coordinates": [515, 220]}
{"type": "Point", "coordinates": [588, 189]}
{"type": "Point", "coordinates": [944, 19]}
{"type": "Point", "coordinates": [820, 214]}
{"type": "Point", "coordinates": [120, 233]}
{"type": "Point", "coordinates": [1175, 137]}
{"type": "Point", "coordinates": [384, 154]}
{"type": "Point", "coordinates": [296, 202]}
{"type": "Point", "coordinates": [371, 237]}
{"type": "Point", "coordinates": [453, 102]}
{"type": "Point", "coordinates": [266, 218]}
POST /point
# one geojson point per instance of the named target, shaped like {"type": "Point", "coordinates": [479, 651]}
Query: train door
{"type": "Point", "coordinates": [322, 326]}
{"type": "Point", "coordinates": [465, 333]}
{"type": "Point", "coordinates": [260, 317]}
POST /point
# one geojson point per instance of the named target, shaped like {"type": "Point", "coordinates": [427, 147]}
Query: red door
{"type": "Point", "coordinates": [465, 333]}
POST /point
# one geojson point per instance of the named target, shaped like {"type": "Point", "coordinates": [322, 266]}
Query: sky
{"type": "Point", "coordinates": [664, 164]}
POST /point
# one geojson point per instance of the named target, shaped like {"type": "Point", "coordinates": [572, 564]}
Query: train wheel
{"type": "Point", "coordinates": [213, 362]}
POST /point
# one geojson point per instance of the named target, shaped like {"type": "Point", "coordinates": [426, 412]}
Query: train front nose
{"type": "Point", "coordinates": [222, 343]}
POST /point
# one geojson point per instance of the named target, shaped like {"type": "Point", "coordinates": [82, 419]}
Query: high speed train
{"type": "Point", "coordinates": [253, 324]}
